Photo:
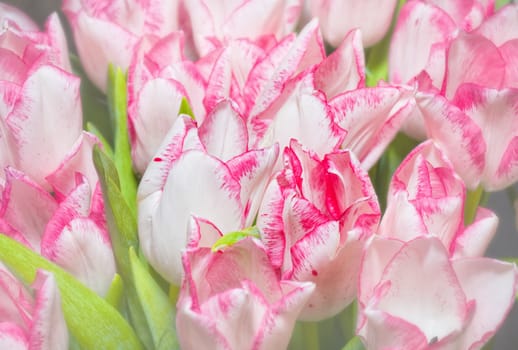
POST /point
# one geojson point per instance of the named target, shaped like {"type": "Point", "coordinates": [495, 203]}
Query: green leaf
{"type": "Point", "coordinates": [93, 322]}
{"type": "Point", "coordinates": [117, 102]}
{"type": "Point", "coordinates": [122, 223]}
{"type": "Point", "coordinates": [114, 295]}
{"type": "Point", "coordinates": [231, 238]}
{"type": "Point", "coordinates": [186, 109]}
{"type": "Point", "coordinates": [354, 344]}
{"type": "Point", "coordinates": [157, 309]}
{"type": "Point", "coordinates": [106, 145]}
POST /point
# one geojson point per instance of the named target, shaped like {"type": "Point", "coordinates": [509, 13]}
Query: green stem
{"type": "Point", "coordinates": [310, 335]}
{"type": "Point", "coordinates": [473, 200]}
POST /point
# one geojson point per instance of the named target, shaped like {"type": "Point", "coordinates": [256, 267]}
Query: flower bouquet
{"type": "Point", "coordinates": [255, 174]}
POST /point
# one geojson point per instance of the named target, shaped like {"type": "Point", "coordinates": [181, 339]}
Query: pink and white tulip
{"type": "Point", "coordinates": [71, 232]}
{"type": "Point", "coordinates": [214, 23]}
{"type": "Point", "coordinates": [126, 21]}
{"type": "Point", "coordinates": [315, 218]}
{"type": "Point", "coordinates": [208, 172]}
{"type": "Point", "coordinates": [413, 296]}
{"type": "Point", "coordinates": [31, 318]}
{"type": "Point", "coordinates": [214, 303]}
{"type": "Point", "coordinates": [338, 17]}
{"type": "Point", "coordinates": [426, 198]}
{"type": "Point", "coordinates": [159, 77]}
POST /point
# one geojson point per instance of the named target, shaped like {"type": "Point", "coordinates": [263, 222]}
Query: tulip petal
{"type": "Point", "coordinates": [495, 111]}
{"type": "Point", "coordinates": [411, 296]}
{"type": "Point", "coordinates": [344, 69]}
{"type": "Point", "coordinates": [197, 184]}
{"type": "Point", "coordinates": [420, 27]}
{"type": "Point", "coordinates": [26, 207]}
{"type": "Point", "coordinates": [485, 62]}
{"type": "Point", "coordinates": [12, 337]}
{"type": "Point", "coordinates": [49, 330]}
{"type": "Point", "coordinates": [253, 170]}
{"type": "Point", "coordinates": [371, 117]}
{"type": "Point", "coordinates": [223, 132]}
{"type": "Point", "coordinates": [155, 110]}
{"type": "Point", "coordinates": [475, 239]}
{"type": "Point", "coordinates": [459, 137]}
{"type": "Point", "coordinates": [54, 94]}
{"type": "Point", "coordinates": [482, 279]}
{"type": "Point", "coordinates": [502, 26]}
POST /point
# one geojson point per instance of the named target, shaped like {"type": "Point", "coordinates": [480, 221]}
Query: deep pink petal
{"type": "Point", "coordinates": [253, 170]}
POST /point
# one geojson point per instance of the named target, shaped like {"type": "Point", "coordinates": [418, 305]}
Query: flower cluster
{"type": "Point", "coordinates": [264, 166]}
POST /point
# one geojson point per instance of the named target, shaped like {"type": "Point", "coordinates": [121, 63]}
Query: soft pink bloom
{"type": "Point", "coordinates": [159, 77]}
{"type": "Point", "coordinates": [208, 172]}
{"type": "Point", "coordinates": [420, 46]}
{"type": "Point", "coordinates": [11, 16]}
{"type": "Point", "coordinates": [414, 296]}
{"type": "Point", "coordinates": [71, 232]}
{"type": "Point", "coordinates": [478, 131]}
{"type": "Point", "coordinates": [107, 31]}
{"type": "Point", "coordinates": [314, 219]}
{"type": "Point", "coordinates": [338, 17]}
{"type": "Point", "coordinates": [31, 318]}
{"type": "Point", "coordinates": [214, 22]}
{"type": "Point", "coordinates": [426, 198]}
{"type": "Point", "coordinates": [233, 298]}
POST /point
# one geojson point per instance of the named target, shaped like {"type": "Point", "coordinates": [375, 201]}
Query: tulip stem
{"type": "Point", "coordinates": [310, 335]}
{"type": "Point", "coordinates": [473, 200]}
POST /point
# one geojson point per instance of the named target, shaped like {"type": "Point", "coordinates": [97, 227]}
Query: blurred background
{"type": "Point", "coordinates": [504, 245]}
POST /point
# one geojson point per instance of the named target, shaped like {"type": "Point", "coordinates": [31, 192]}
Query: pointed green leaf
{"type": "Point", "coordinates": [122, 224]}
{"type": "Point", "coordinates": [185, 108]}
{"type": "Point", "coordinates": [231, 238]}
{"type": "Point", "coordinates": [117, 101]}
{"type": "Point", "coordinates": [158, 310]}
{"type": "Point", "coordinates": [114, 295]}
{"type": "Point", "coordinates": [354, 344]}
{"type": "Point", "coordinates": [93, 322]}
{"type": "Point", "coordinates": [106, 145]}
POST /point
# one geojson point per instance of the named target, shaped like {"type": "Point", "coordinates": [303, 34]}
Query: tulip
{"type": "Point", "coordinates": [414, 296]}
{"type": "Point", "coordinates": [208, 172]}
{"type": "Point", "coordinates": [31, 319]}
{"type": "Point", "coordinates": [11, 16]}
{"type": "Point", "coordinates": [249, 308]}
{"type": "Point", "coordinates": [338, 17]}
{"type": "Point", "coordinates": [159, 78]}
{"type": "Point", "coordinates": [126, 21]}
{"type": "Point", "coordinates": [426, 198]}
{"type": "Point", "coordinates": [315, 218]}
{"type": "Point", "coordinates": [213, 23]}
{"type": "Point", "coordinates": [421, 44]}
{"type": "Point", "coordinates": [72, 233]}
